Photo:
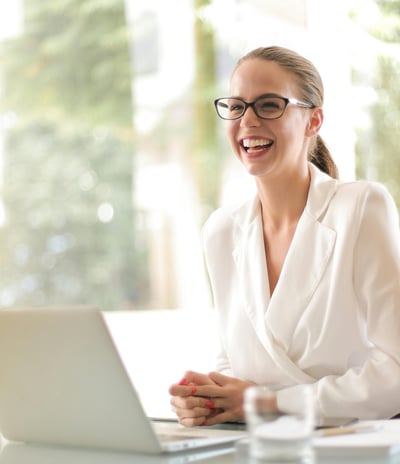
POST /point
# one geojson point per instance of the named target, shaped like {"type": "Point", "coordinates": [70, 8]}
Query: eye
{"type": "Point", "coordinates": [236, 107]}
{"type": "Point", "coordinates": [222, 105]}
{"type": "Point", "coordinates": [268, 105]}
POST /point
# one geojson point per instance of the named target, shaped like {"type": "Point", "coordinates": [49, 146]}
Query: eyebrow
{"type": "Point", "coordinates": [264, 95]}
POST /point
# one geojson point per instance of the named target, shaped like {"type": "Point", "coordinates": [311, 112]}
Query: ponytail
{"type": "Point", "coordinates": [320, 156]}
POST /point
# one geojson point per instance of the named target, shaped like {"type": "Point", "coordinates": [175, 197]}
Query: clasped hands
{"type": "Point", "coordinates": [208, 399]}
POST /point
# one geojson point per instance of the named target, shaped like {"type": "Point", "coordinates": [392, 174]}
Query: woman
{"type": "Point", "coordinates": [306, 275]}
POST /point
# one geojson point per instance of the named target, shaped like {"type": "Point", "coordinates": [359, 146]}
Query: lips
{"type": "Point", "coordinates": [256, 144]}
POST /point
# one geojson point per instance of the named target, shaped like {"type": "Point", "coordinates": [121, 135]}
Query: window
{"type": "Point", "coordinates": [111, 157]}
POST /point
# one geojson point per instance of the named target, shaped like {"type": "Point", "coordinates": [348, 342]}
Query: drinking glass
{"type": "Point", "coordinates": [283, 436]}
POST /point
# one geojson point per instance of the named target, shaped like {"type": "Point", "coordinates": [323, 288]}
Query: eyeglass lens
{"type": "Point", "coordinates": [267, 107]}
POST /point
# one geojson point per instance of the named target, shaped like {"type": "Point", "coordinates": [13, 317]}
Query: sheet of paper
{"type": "Point", "coordinates": [383, 440]}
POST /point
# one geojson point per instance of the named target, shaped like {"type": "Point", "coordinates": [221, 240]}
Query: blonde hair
{"type": "Point", "coordinates": [311, 90]}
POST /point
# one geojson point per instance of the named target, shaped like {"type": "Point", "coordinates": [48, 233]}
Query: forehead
{"type": "Point", "coordinates": [256, 76]}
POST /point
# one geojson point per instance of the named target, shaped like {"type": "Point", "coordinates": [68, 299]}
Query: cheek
{"type": "Point", "coordinates": [291, 131]}
{"type": "Point", "coordinates": [231, 132]}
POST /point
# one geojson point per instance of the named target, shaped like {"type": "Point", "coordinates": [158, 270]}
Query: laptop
{"type": "Point", "coordinates": [63, 382]}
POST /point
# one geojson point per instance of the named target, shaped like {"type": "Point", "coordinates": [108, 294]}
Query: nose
{"type": "Point", "coordinates": [250, 118]}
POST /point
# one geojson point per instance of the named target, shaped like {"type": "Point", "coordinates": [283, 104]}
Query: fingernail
{"type": "Point", "coordinates": [212, 411]}
{"type": "Point", "coordinates": [209, 404]}
{"type": "Point", "coordinates": [203, 423]}
{"type": "Point", "coordinates": [194, 390]}
{"type": "Point", "coordinates": [183, 381]}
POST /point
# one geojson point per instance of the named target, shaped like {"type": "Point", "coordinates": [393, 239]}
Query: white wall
{"type": "Point", "coordinates": [159, 346]}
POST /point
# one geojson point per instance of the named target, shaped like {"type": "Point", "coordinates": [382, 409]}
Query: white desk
{"type": "Point", "coordinates": [364, 446]}
{"type": "Point", "coordinates": [27, 454]}
{"type": "Point", "coordinates": [19, 453]}
{"type": "Point", "coordinates": [14, 453]}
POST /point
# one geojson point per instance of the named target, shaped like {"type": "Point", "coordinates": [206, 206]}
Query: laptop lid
{"type": "Point", "coordinates": [63, 383]}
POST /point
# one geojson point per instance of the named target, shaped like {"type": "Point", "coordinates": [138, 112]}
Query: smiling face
{"type": "Point", "coordinates": [270, 147]}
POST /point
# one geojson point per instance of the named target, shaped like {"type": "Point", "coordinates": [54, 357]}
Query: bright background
{"type": "Point", "coordinates": [111, 157]}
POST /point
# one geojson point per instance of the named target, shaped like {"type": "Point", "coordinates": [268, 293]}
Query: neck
{"type": "Point", "coordinates": [283, 200]}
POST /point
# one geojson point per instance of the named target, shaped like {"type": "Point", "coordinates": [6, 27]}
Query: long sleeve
{"type": "Point", "coordinates": [334, 318]}
{"type": "Point", "coordinates": [370, 389]}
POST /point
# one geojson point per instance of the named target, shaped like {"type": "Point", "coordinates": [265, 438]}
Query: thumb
{"type": "Point", "coordinates": [196, 378]}
{"type": "Point", "coordinates": [220, 379]}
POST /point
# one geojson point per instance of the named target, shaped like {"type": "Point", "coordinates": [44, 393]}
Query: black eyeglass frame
{"type": "Point", "coordinates": [247, 105]}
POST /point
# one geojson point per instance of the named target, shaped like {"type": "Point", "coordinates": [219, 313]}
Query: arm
{"type": "Point", "coordinates": [371, 390]}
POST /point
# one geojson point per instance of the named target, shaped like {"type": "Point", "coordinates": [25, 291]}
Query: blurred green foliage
{"type": "Point", "coordinates": [377, 148]}
{"type": "Point", "coordinates": [70, 235]}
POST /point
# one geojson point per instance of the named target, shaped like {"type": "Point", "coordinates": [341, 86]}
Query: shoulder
{"type": "Point", "coordinates": [219, 223]}
{"type": "Point", "coordinates": [364, 192]}
{"type": "Point", "coordinates": [363, 202]}
{"type": "Point", "coordinates": [226, 221]}
{"type": "Point", "coordinates": [346, 201]}
{"type": "Point", "coordinates": [324, 186]}
{"type": "Point", "coordinates": [328, 196]}
{"type": "Point", "coordinates": [219, 219]}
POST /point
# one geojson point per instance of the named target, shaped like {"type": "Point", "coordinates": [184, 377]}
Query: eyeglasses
{"type": "Point", "coordinates": [265, 107]}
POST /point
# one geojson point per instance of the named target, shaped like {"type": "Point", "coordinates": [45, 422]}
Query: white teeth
{"type": "Point", "coordinates": [248, 143]}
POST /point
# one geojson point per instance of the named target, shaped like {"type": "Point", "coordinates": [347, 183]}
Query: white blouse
{"type": "Point", "coordinates": [333, 319]}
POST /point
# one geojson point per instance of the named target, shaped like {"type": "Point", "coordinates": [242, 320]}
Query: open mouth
{"type": "Point", "coordinates": [256, 145]}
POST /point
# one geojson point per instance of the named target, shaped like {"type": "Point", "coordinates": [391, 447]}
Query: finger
{"type": "Point", "coordinates": [193, 421]}
{"type": "Point", "coordinates": [181, 402]}
{"type": "Point", "coordinates": [214, 412]}
{"type": "Point", "coordinates": [188, 384]}
{"type": "Point", "coordinates": [220, 417]}
{"type": "Point", "coordinates": [184, 390]}
{"type": "Point", "coordinates": [190, 402]}
{"type": "Point", "coordinates": [196, 378]}
{"type": "Point", "coordinates": [220, 379]}
{"type": "Point", "coordinates": [192, 413]}
{"type": "Point", "coordinates": [193, 407]}
{"type": "Point", "coordinates": [209, 391]}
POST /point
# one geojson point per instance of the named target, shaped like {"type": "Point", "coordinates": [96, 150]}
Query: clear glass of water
{"type": "Point", "coordinates": [284, 436]}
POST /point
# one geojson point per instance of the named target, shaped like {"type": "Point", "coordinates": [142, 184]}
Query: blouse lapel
{"type": "Point", "coordinates": [305, 263]}
{"type": "Point", "coordinates": [250, 261]}
{"type": "Point", "coordinates": [274, 319]}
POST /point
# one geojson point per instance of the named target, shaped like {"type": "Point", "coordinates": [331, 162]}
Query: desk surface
{"type": "Point", "coordinates": [18, 453]}
{"type": "Point", "coordinates": [363, 445]}
{"type": "Point", "coordinates": [29, 454]}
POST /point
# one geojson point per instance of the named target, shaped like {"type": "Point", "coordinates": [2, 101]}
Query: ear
{"type": "Point", "coordinates": [315, 122]}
